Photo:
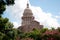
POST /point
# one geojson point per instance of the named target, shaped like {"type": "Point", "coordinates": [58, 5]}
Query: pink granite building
{"type": "Point", "coordinates": [28, 22]}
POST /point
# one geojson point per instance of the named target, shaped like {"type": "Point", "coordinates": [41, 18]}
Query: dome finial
{"type": "Point", "coordinates": [27, 5]}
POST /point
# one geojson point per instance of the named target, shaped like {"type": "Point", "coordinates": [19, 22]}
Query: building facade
{"type": "Point", "coordinates": [28, 22]}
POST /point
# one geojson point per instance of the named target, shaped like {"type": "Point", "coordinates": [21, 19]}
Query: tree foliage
{"type": "Point", "coordinates": [7, 32]}
{"type": "Point", "coordinates": [43, 34]}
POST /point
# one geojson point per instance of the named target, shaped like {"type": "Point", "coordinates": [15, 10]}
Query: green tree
{"type": "Point", "coordinates": [43, 30]}
{"type": "Point", "coordinates": [1, 35]}
{"type": "Point", "coordinates": [35, 34]}
{"type": "Point", "coordinates": [3, 22]}
{"type": "Point", "coordinates": [7, 32]}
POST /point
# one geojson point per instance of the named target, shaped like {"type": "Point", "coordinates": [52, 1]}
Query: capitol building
{"type": "Point", "coordinates": [28, 21]}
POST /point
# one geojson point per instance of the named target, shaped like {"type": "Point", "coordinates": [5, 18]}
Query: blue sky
{"type": "Point", "coordinates": [52, 6]}
{"type": "Point", "coordinates": [47, 12]}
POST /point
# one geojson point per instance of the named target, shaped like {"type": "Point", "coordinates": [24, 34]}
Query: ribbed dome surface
{"type": "Point", "coordinates": [27, 11]}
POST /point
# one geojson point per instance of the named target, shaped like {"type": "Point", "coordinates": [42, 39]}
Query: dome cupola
{"type": "Point", "coordinates": [27, 11]}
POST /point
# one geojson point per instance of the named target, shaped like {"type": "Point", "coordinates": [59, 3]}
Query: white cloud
{"type": "Point", "coordinates": [15, 24]}
{"type": "Point", "coordinates": [44, 18]}
{"type": "Point", "coordinates": [57, 17]}
{"type": "Point", "coordinates": [15, 12]}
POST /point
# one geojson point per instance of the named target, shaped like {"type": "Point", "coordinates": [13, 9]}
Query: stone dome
{"type": "Point", "coordinates": [27, 11]}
